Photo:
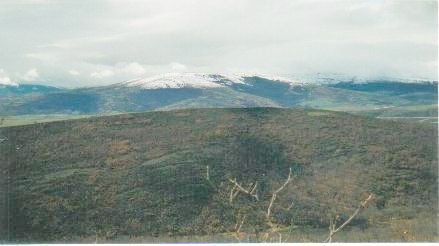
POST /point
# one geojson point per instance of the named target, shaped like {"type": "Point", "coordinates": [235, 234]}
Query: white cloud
{"type": "Point", "coordinates": [5, 79]}
{"type": "Point", "coordinates": [176, 66]}
{"type": "Point", "coordinates": [74, 72]}
{"type": "Point", "coordinates": [131, 69]}
{"type": "Point", "coordinates": [102, 74]}
{"type": "Point", "coordinates": [120, 71]}
{"type": "Point", "coordinates": [123, 39]}
{"type": "Point", "coordinates": [43, 57]}
{"type": "Point", "coordinates": [83, 41]}
{"type": "Point", "coordinates": [38, 1]}
{"type": "Point", "coordinates": [31, 75]}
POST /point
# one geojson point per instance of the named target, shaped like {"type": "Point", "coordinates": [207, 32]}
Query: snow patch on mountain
{"type": "Point", "coordinates": [270, 77]}
{"type": "Point", "coordinates": [199, 80]}
{"type": "Point", "coordinates": [334, 78]}
{"type": "Point", "coordinates": [174, 80]}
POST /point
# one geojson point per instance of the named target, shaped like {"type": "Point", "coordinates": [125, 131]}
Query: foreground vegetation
{"type": "Point", "coordinates": [170, 176]}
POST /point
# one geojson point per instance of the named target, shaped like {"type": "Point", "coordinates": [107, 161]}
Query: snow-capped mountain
{"type": "Point", "coordinates": [201, 90]}
{"type": "Point", "coordinates": [200, 80]}
{"type": "Point", "coordinates": [334, 78]}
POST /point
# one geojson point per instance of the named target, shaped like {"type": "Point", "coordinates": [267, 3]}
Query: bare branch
{"type": "Point", "coordinates": [332, 226]}
{"type": "Point", "coordinates": [233, 194]}
{"type": "Point", "coordinates": [239, 188]}
{"type": "Point", "coordinates": [274, 196]}
{"type": "Point", "coordinates": [207, 173]}
{"type": "Point", "coordinates": [238, 227]}
{"type": "Point", "coordinates": [237, 185]}
{"type": "Point", "coordinates": [289, 207]}
{"type": "Point", "coordinates": [240, 224]}
{"type": "Point", "coordinates": [253, 190]}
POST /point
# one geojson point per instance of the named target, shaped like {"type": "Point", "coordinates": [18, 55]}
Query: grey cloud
{"type": "Point", "coordinates": [369, 38]}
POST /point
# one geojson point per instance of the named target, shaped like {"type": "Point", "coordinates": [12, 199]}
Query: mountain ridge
{"type": "Point", "coordinates": [190, 90]}
{"type": "Point", "coordinates": [239, 77]}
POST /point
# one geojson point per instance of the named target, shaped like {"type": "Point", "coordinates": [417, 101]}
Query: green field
{"type": "Point", "coordinates": [19, 120]}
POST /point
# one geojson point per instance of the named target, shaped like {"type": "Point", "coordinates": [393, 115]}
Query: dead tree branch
{"type": "Point", "coordinates": [289, 207]}
{"type": "Point", "coordinates": [238, 188]}
{"type": "Point", "coordinates": [332, 223]}
{"type": "Point", "coordinates": [274, 196]}
{"type": "Point", "coordinates": [207, 173]}
{"type": "Point", "coordinates": [238, 227]}
{"type": "Point", "coordinates": [274, 228]}
{"type": "Point", "coordinates": [233, 193]}
{"type": "Point", "coordinates": [252, 192]}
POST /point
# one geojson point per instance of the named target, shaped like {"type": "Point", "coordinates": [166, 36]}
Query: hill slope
{"type": "Point", "coordinates": [167, 173]}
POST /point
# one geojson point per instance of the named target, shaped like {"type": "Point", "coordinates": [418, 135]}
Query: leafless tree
{"type": "Point", "coordinates": [333, 229]}
{"type": "Point", "coordinates": [252, 192]}
{"type": "Point", "coordinates": [274, 195]}
{"type": "Point", "coordinates": [274, 228]}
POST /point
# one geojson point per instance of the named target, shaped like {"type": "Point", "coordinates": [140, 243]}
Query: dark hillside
{"type": "Point", "coordinates": [167, 173]}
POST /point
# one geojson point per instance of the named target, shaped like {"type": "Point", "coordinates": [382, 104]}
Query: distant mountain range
{"type": "Point", "coordinates": [195, 90]}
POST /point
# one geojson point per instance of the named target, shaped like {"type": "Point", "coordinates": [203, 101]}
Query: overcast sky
{"type": "Point", "coordinates": [93, 42]}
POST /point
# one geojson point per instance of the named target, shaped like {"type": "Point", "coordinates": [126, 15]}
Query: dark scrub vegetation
{"type": "Point", "coordinates": [145, 175]}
